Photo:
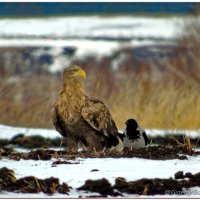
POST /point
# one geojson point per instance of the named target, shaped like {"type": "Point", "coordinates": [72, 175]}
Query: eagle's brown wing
{"type": "Point", "coordinates": [58, 122]}
{"type": "Point", "coordinates": [98, 116]}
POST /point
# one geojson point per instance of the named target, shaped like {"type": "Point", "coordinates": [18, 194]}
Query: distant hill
{"type": "Point", "coordinates": [68, 8]}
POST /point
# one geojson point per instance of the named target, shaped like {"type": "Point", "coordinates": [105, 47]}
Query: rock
{"type": "Point", "coordinates": [179, 175]}
{"type": "Point", "coordinates": [101, 186]}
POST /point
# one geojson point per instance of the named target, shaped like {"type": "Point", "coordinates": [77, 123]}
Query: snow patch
{"type": "Point", "coordinates": [7, 132]}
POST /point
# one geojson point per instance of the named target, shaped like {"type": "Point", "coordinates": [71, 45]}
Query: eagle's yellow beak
{"type": "Point", "coordinates": [82, 73]}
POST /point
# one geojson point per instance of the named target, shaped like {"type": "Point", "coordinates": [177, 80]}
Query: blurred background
{"type": "Point", "coordinates": [141, 59]}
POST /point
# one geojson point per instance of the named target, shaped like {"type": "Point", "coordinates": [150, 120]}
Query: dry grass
{"type": "Point", "coordinates": [186, 144]}
{"type": "Point", "coordinates": [161, 104]}
{"type": "Point", "coordinates": [27, 102]}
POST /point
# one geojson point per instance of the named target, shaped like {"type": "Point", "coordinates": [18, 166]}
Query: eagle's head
{"type": "Point", "coordinates": [74, 72]}
{"type": "Point", "coordinates": [73, 84]}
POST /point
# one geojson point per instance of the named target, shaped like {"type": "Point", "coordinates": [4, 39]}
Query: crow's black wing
{"type": "Point", "coordinates": [146, 140]}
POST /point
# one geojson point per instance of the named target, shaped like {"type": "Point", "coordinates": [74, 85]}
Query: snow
{"type": "Point", "coordinates": [115, 26]}
{"type": "Point", "coordinates": [109, 168]}
{"type": "Point", "coordinates": [160, 132]}
{"type": "Point", "coordinates": [81, 32]}
{"type": "Point", "coordinates": [83, 46]}
{"type": "Point", "coordinates": [72, 194]}
{"type": "Point", "coordinates": [7, 132]}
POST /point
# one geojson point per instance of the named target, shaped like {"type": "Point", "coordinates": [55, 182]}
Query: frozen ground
{"type": "Point", "coordinates": [109, 168]}
{"type": "Point", "coordinates": [7, 132]}
{"type": "Point", "coordinates": [87, 35]}
{"type": "Point", "coordinates": [91, 26]}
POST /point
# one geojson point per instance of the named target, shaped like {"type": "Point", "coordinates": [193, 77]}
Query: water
{"type": "Point", "coordinates": [76, 8]}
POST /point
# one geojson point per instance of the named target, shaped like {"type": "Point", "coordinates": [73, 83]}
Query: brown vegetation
{"type": "Point", "coordinates": [27, 101]}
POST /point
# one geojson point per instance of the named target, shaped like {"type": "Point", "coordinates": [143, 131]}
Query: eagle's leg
{"type": "Point", "coordinates": [72, 144]}
{"type": "Point", "coordinates": [81, 146]}
{"type": "Point", "coordinates": [94, 143]}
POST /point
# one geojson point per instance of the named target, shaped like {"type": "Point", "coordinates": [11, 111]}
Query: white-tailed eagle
{"type": "Point", "coordinates": [83, 119]}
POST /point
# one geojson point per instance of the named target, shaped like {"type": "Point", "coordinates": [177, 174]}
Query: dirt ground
{"type": "Point", "coordinates": [167, 152]}
{"type": "Point", "coordinates": [36, 141]}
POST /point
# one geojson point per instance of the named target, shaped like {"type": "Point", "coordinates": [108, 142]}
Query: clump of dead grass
{"type": "Point", "coordinates": [186, 144]}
